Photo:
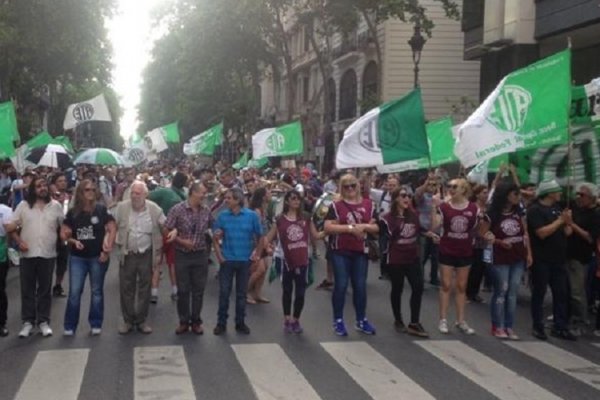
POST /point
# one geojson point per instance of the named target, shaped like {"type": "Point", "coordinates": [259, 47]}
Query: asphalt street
{"type": "Point", "coordinates": [269, 364]}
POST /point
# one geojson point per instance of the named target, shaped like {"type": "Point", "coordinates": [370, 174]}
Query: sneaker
{"type": "Point", "coordinates": [219, 329]}
{"type": "Point", "coordinates": [564, 334]}
{"type": "Point", "coordinates": [500, 333]}
{"type": "Point", "coordinates": [365, 327]}
{"type": "Point", "coordinates": [539, 334]}
{"type": "Point", "coordinates": [325, 284]}
{"type": "Point", "coordinates": [340, 328]}
{"type": "Point", "coordinates": [416, 329]}
{"type": "Point", "coordinates": [68, 332]}
{"type": "Point", "coordinates": [242, 328]}
{"type": "Point", "coordinates": [144, 328]}
{"type": "Point", "coordinates": [399, 326]}
{"type": "Point", "coordinates": [45, 329]}
{"type": "Point", "coordinates": [287, 326]}
{"type": "Point", "coordinates": [96, 331]}
{"type": "Point", "coordinates": [58, 291]}
{"type": "Point", "coordinates": [26, 330]}
{"type": "Point", "coordinates": [443, 326]}
{"type": "Point", "coordinates": [125, 328]}
{"type": "Point", "coordinates": [511, 334]}
{"type": "Point", "coordinates": [464, 328]}
{"type": "Point", "coordinates": [296, 328]}
{"type": "Point", "coordinates": [3, 331]}
{"type": "Point", "coordinates": [153, 299]}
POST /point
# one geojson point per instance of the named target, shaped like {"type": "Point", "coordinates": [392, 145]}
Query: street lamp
{"type": "Point", "coordinates": [416, 42]}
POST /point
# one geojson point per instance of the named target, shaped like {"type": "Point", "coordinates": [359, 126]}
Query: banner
{"type": "Point", "coordinates": [528, 109]}
{"type": "Point", "coordinates": [205, 142]}
{"type": "Point", "coordinates": [94, 109]}
{"type": "Point", "coordinates": [585, 104]}
{"type": "Point", "coordinates": [282, 141]}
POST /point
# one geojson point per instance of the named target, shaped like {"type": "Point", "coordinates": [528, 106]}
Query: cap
{"type": "Point", "coordinates": [546, 187]}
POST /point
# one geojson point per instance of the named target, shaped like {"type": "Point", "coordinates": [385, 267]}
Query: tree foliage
{"type": "Point", "coordinates": [57, 46]}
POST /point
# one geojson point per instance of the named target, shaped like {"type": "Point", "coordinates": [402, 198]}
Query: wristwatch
{"type": "Point", "coordinates": [351, 227]}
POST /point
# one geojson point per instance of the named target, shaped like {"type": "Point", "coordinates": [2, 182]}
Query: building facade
{"type": "Point", "coordinates": [355, 71]}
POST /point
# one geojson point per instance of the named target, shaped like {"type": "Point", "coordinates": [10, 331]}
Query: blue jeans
{"type": "Point", "coordinates": [506, 280]}
{"type": "Point", "coordinates": [241, 271]}
{"type": "Point", "coordinates": [349, 268]}
{"type": "Point", "coordinates": [79, 269]}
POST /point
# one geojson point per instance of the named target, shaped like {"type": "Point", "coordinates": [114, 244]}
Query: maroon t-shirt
{"type": "Point", "coordinates": [509, 228]}
{"type": "Point", "coordinates": [348, 214]}
{"type": "Point", "coordinates": [293, 235]}
{"type": "Point", "coordinates": [457, 235]}
{"type": "Point", "coordinates": [403, 232]}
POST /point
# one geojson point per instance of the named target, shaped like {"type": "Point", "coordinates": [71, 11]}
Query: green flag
{"type": "Point", "coordinates": [218, 132]}
{"type": "Point", "coordinates": [242, 162]}
{"type": "Point", "coordinates": [258, 163]}
{"type": "Point", "coordinates": [528, 109]}
{"type": "Point", "coordinates": [171, 132]}
{"type": "Point", "coordinates": [39, 140]}
{"type": "Point", "coordinates": [205, 142]}
{"type": "Point", "coordinates": [64, 142]}
{"type": "Point", "coordinates": [135, 139]}
{"type": "Point", "coordinates": [282, 141]}
{"type": "Point", "coordinates": [391, 133]}
{"type": "Point", "coordinates": [8, 129]}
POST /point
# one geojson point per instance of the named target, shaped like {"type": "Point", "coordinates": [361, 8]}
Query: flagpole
{"type": "Point", "coordinates": [569, 144]}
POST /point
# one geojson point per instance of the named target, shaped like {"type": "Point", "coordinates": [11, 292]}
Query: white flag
{"type": "Point", "coordinates": [94, 109]}
{"type": "Point", "coordinates": [135, 154]}
{"type": "Point", "coordinates": [155, 141]}
{"type": "Point", "coordinates": [479, 173]}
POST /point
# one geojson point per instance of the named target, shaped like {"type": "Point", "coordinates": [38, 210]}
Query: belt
{"type": "Point", "coordinates": [137, 253]}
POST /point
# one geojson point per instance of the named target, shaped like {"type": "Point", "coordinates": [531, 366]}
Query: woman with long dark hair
{"type": "Point", "coordinates": [478, 269]}
{"type": "Point", "coordinates": [258, 203]}
{"type": "Point", "coordinates": [90, 231]}
{"type": "Point", "coordinates": [401, 228]}
{"type": "Point", "coordinates": [505, 219]}
{"type": "Point", "coordinates": [294, 229]}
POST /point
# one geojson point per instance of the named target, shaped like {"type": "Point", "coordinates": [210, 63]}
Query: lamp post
{"type": "Point", "coordinates": [416, 42]}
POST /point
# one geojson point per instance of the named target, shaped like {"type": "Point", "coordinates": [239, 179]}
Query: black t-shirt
{"type": "Point", "coordinates": [587, 219]}
{"type": "Point", "coordinates": [89, 229]}
{"type": "Point", "coordinates": [552, 249]}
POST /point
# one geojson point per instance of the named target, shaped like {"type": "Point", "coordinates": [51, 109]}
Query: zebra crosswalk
{"type": "Point", "coordinates": [272, 373]}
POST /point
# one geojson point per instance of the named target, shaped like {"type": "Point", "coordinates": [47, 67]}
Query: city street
{"type": "Point", "coordinates": [269, 364]}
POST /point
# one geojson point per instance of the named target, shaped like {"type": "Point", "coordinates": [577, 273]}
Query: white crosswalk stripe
{"type": "Point", "coordinates": [485, 372]}
{"type": "Point", "coordinates": [161, 373]}
{"type": "Point", "coordinates": [272, 374]}
{"type": "Point", "coordinates": [45, 381]}
{"type": "Point", "coordinates": [562, 360]}
{"type": "Point", "coordinates": [374, 373]}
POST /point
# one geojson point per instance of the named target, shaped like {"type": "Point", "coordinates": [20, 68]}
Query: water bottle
{"type": "Point", "coordinates": [488, 254]}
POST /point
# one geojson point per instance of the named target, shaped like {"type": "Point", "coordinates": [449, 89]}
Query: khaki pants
{"type": "Point", "coordinates": [578, 303]}
{"type": "Point", "coordinates": [135, 277]}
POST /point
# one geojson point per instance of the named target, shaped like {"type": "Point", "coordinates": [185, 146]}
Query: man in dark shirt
{"type": "Point", "coordinates": [548, 230]}
{"type": "Point", "coordinates": [580, 249]}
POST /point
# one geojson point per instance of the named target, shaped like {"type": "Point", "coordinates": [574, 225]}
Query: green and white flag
{"type": "Point", "coordinates": [282, 141]}
{"type": "Point", "coordinates": [155, 140]}
{"type": "Point", "coordinates": [258, 163]}
{"type": "Point", "coordinates": [8, 129]}
{"type": "Point", "coordinates": [528, 109]}
{"type": "Point", "coordinates": [242, 162]}
{"type": "Point", "coordinates": [39, 140]}
{"type": "Point", "coordinates": [169, 132]}
{"type": "Point", "coordinates": [388, 134]}
{"type": "Point", "coordinates": [135, 139]}
{"type": "Point", "coordinates": [64, 142]}
{"type": "Point", "coordinates": [585, 104]}
{"type": "Point", "coordinates": [205, 142]}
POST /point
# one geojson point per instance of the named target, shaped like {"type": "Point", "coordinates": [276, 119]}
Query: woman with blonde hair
{"type": "Point", "coordinates": [348, 222]}
{"type": "Point", "coordinates": [459, 220]}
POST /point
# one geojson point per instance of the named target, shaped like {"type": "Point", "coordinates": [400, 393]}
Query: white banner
{"type": "Point", "coordinates": [94, 109]}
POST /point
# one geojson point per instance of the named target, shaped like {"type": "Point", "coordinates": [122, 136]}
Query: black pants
{"type": "Point", "coordinates": [555, 275]}
{"type": "Point", "coordinates": [3, 297]}
{"type": "Point", "coordinates": [475, 274]}
{"type": "Point", "coordinates": [414, 274]}
{"type": "Point", "coordinates": [289, 278]}
{"type": "Point", "coordinates": [191, 271]}
{"type": "Point", "coordinates": [62, 259]}
{"type": "Point", "coordinates": [36, 285]}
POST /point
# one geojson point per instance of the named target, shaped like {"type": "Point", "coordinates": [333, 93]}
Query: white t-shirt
{"type": "Point", "coordinates": [5, 217]}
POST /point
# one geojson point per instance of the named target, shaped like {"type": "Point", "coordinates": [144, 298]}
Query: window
{"type": "Point", "coordinates": [369, 89]}
{"type": "Point", "coordinates": [348, 94]}
{"type": "Point", "coordinates": [331, 102]}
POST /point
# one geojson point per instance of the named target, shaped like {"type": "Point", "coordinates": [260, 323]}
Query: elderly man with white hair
{"type": "Point", "coordinates": [580, 249]}
{"type": "Point", "coordinates": [140, 225]}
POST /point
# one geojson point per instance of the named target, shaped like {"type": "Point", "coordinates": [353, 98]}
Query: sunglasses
{"type": "Point", "coordinates": [89, 190]}
{"type": "Point", "coordinates": [453, 187]}
{"type": "Point", "coordinates": [292, 198]}
{"type": "Point", "coordinates": [405, 195]}
{"type": "Point", "coordinates": [350, 186]}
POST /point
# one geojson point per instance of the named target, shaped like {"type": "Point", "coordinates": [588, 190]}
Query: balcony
{"type": "Point", "coordinates": [347, 51]}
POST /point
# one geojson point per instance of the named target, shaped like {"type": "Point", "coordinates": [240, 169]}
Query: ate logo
{"type": "Point", "coordinates": [510, 227]}
{"type": "Point", "coordinates": [510, 108]}
{"type": "Point", "coordinates": [295, 233]}
{"type": "Point", "coordinates": [83, 112]}
{"type": "Point", "coordinates": [276, 142]}
{"type": "Point", "coordinates": [380, 133]}
{"type": "Point", "coordinates": [136, 155]}
{"type": "Point", "coordinates": [459, 224]}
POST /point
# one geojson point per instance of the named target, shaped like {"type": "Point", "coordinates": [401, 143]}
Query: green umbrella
{"type": "Point", "coordinates": [99, 157]}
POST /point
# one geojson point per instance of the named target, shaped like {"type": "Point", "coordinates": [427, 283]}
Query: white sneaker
{"type": "Point", "coordinates": [464, 328]}
{"type": "Point", "coordinates": [26, 330]}
{"type": "Point", "coordinates": [96, 331]}
{"type": "Point", "coordinates": [68, 332]}
{"type": "Point", "coordinates": [443, 326]}
{"type": "Point", "coordinates": [45, 329]}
